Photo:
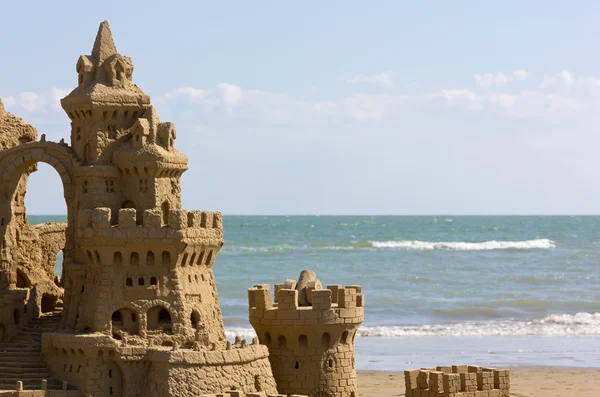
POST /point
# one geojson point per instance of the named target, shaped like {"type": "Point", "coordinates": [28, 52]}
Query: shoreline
{"type": "Point", "coordinates": [526, 381]}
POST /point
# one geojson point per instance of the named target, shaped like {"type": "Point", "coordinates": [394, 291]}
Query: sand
{"type": "Point", "coordinates": [525, 382]}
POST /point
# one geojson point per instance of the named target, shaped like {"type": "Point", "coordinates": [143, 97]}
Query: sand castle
{"type": "Point", "coordinates": [136, 312]}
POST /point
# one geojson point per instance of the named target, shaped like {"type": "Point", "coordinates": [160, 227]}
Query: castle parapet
{"type": "Point", "coordinates": [453, 381]}
{"type": "Point", "coordinates": [337, 305]}
{"type": "Point", "coordinates": [127, 223]}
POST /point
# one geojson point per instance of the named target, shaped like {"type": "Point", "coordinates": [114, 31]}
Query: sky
{"type": "Point", "coordinates": [339, 107]}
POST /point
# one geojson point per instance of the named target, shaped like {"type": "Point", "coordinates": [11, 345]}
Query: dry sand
{"type": "Point", "coordinates": [525, 382]}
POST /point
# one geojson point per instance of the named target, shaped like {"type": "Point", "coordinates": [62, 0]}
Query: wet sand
{"type": "Point", "coordinates": [525, 382]}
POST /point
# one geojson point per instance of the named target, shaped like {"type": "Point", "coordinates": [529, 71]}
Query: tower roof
{"type": "Point", "coordinates": [104, 46]}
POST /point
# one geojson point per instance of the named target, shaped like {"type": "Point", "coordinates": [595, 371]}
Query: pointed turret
{"type": "Point", "coordinates": [104, 46]}
{"type": "Point", "coordinates": [106, 103]}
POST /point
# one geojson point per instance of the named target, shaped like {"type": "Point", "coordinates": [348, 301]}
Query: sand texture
{"type": "Point", "coordinates": [525, 382]}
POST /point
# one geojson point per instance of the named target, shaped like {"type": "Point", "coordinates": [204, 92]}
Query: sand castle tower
{"type": "Point", "coordinates": [310, 334]}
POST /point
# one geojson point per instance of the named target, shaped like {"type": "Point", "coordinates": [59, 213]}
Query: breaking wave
{"type": "Point", "coordinates": [553, 325]}
{"type": "Point", "coordinates": [542, 243]}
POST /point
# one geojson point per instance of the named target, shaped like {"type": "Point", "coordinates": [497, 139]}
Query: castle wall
{"type": "Point", "coordinates": [94, 365]}
{"type": "Point", "coordinates": [457, 381]}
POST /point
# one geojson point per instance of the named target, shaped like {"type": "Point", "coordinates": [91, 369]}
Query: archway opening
{"type": "Point", "coordinates": [48, 304]}
{"type": "Point", "coordinates": [159, 319]}
{"type": "Point", "coordinates": [40, 212]}
{"type": "Point", "coordinates": [22, 280]}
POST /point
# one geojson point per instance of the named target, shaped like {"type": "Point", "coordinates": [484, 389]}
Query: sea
{"type": "Point", "coordinates": [481, 290]}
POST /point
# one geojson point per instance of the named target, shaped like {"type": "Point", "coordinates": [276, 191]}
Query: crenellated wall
{"type": "Point", "coordinates": [457, 381]}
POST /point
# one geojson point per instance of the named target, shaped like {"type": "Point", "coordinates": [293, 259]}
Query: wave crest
{"type": "Point", "coordinates": [553, 325]}
{"type": "Point", "coordinates": [542, 243]}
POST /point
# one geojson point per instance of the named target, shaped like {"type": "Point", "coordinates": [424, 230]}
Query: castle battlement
{"type": "Point", "coordinates": [451, 381]}
{"type": "Point", "coordinates": [334, 305]}
{"type": "Point", "coordinates": [99, 222]}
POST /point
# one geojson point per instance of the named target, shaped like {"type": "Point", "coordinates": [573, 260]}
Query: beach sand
{"type": "Point", "coordinates": [525, 382]}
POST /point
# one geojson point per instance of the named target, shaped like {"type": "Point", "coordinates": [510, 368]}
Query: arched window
{"type": "Point", "coordinates": [344, 338]}
{"type": "Point", "coordinates": [134, 259]}
{"type": "Point", "coordinates": [141, 281]}
{"type": "Point", "coordinates": [150, 258]}
{"type": "Point", "coordinates": [326, 340]}
{"type": "Point", "coordinates": [159, 318]}
{"type": "Point", "coordinates": [166, 258]}
{"type": "Point", "coordinates": [195, 319]}
{"type": "Point", "coordinates": [87, 153]}
{"type": "Point", "coordinates": [153, 281]}
{"type": "Point", "coordinates": [267, 338]}
{"type": "Point", "coordinates": [281, 341]}
{"type": "Point", "coordinates": [117, 258]}
{"type": "Point", "coordinates": [129, 282]}
{"type": "Point", "coordinates": [303, 341]}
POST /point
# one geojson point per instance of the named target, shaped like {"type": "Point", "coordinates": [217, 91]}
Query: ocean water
{"type": "Point", "coordinates": [492, 290]}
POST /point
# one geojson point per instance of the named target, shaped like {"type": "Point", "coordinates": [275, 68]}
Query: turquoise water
{"type": "Point", "coordinates": [525, 286]}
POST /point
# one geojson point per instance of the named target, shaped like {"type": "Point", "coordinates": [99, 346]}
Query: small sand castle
{"type": "Point", "coordinates": [457, 381]}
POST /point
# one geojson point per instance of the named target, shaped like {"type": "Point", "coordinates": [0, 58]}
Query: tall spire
{"type": "Point", "coordinates": [104, 46]}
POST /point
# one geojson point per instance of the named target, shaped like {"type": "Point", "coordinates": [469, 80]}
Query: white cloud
{"type": "Point", "coordinates": [564, 79]}
{"type": "Point", "coordinates": [232, 95]}
{"type": "Point", "coordinates": [487, 80]}
{"type": "Point", "coordinates": [384, 79]}
{"type": "Point", "coordinates": [44, 102]}
{"type": "Point", "coordinates": [504, 100]}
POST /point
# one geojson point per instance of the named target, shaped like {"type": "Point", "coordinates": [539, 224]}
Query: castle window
{"type": "Point", "coordinates": [184, 260]}
{"type": "Point", "coordinates": [165, 213]}
{"type": "Point", "coordinates": [117, 258]}
{"type": "Point", "coordinates": [200, 258]}
{"type": "Point", "coordinates": [296, 365]}
{"type": "Point", "coordinates": [133, 317]}
{"type": "Point", "coordinates": [141, 281]}
{"type": "Point", "coordinates": [267, 338]}
{"type": "Point", "coordinates": [164, 316]}
{"type": "Point", "coordinates": [190, 278]}
{"type": "Point", "coordinates": [344, 338]}
{"type": "Point", "coordinates": [303, 341]}
{"type": "Point", "coordinates": [114, 115]}
{"type": "Point", "coordinates": [195, 319]}
{"type": "Point", "coordinates": [330, 362]}
{"type": "Point", "coordinates": [143, 185]}
{"type": "Point", "coordinates": [326, 340]}
{"type": "Point", "coordinates": [110, 186]}
{"type": "Point", "coordinates": [209, 258]}
{"type": "Point", "coordinates": [166, 258]}
{"type": "Point", "coordinates": [193, 258]}
{"type": "Point", "coordinates": [153, 281]}
{"type": "Point", "coordinates": [159, 318]}
{"type": "Point", "coordinates": [134, 259]}
{"type": "Point", "coordinates": [150, 258]}
{"type": "Point", "coordinates": [116, 318]}
{"type": "Point", "coordinates": [281, 341]}
{"type": "Point", "coordinates": [87, 153]}
{"type": "Point", "coordinates": [129, 282]}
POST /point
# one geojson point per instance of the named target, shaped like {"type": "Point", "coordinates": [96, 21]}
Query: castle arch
{"type": "Point", "coordinates": [159, 319]}
{"type": "Point", "coordinates": [15, 163]}
{"type": "Point", "coordinates": [303, 341]}
{"type": "Point", "coordinates": [326, 340]}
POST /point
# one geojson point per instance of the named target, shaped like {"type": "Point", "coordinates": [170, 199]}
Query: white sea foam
{"type": "Point", "coordinates": [553, 325]}
{"type": "Point", "coordinates": [542, 243]}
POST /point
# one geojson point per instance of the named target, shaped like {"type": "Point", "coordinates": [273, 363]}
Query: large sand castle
{"type": "Point", "coordinates": [136, 311]}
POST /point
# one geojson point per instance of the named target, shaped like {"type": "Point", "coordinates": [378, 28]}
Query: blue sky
{"type": "Point", "coordinates": [340, 107]}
